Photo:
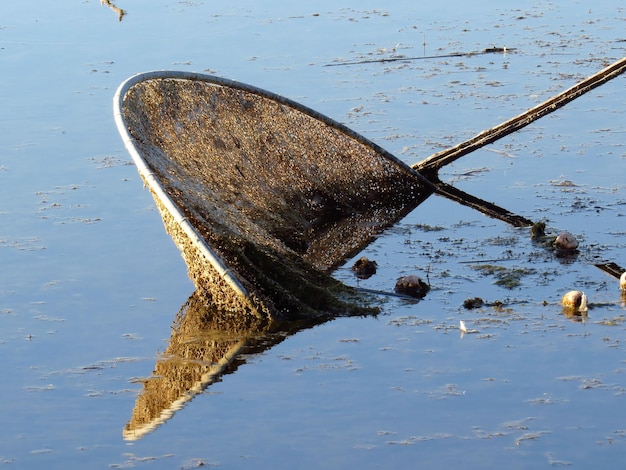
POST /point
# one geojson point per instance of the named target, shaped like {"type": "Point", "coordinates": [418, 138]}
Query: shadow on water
{"type": "Point", "coordinates": [206, 344]}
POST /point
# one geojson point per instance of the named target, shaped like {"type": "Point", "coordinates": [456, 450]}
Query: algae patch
{"type": "Point", "coordinates": [509, 278]}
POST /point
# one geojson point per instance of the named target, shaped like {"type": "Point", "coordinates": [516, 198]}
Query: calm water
{"type": "Point", "coordinates": [90, 283]}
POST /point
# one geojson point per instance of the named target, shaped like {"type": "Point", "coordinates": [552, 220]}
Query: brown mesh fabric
{"type": "Point", "coordinates": [281, 194]}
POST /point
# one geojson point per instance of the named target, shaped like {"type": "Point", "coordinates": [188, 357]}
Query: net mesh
{"type": "Point", "coordinates": [281, 194]}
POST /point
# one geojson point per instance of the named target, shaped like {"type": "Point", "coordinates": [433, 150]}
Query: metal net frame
{"type": "Point", "coordinates": [264, 197]}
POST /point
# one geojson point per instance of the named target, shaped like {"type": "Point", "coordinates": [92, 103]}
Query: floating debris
{"type": "Point", "coordinates": [575, 302]}
{"type": "Point", "coordinates": [566, 241]}
{"type": "Point", "coordinates": [476, 302]}
{"type": "Point", "coordinates": [563, 242]}
{"type": "Point", "coordinates": [509, 278]}
{"type": "Point", "coordinates": [564, 245]}
{"type": "Point", "coordinates": [120, 12]}
{"type": "Point", "coordinates": [412, 285]}
{"type": "Point", "coordinates": [364, 268]}
{"type": "Point", "coordinates": [538, 230]}
{"type": "Point", "coordinates": [464, 329]}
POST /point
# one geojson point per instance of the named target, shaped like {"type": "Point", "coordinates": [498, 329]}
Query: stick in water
{"type": "Point", "coordinates": [433, 163]}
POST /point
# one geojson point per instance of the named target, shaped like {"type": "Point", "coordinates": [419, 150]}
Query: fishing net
{"type": "Point", "coordinates": [281, 194]}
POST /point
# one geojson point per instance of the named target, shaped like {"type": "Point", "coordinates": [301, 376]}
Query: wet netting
{"type": "Point", "coordinates": [277, 194]}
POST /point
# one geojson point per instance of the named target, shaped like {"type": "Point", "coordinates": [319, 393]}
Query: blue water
{"type": "Point", "coordinates": [90, 282]}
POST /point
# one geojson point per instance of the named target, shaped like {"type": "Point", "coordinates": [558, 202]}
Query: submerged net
{"type": "Point", "coordinates": [281, 194]}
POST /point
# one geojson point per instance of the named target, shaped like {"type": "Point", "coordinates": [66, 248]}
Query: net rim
{"type": "Point", "coordinates": [155, 186]}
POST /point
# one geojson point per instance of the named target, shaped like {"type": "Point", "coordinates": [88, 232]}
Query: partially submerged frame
{"type": "Point", "coordinates": [263, 196]}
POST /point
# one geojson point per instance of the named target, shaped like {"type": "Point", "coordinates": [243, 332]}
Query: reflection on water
{"type": "Point", "coordinates": [206, 344]}
{"type": "Point", "coordinates": [119, 11]}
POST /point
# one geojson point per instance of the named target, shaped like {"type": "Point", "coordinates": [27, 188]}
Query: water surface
{"type": "Point", "coordinates": [91, 284]}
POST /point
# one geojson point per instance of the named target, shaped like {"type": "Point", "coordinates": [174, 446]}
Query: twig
{"type": "Point", "coordinates": [119, 11]}
{"type": "Point", "coordinates": [489, 50]}
{"type": "Point", "coordinates": [383, 292]}
{"type": "Point", "coordinates": [433, 163]}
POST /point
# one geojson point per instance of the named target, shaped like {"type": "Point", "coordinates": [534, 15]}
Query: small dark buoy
{"type": "Point", "coordinates": [476, 302]}
{"type": "Point", "coordinates": [412, 285]}
{"type": "Point", "coordinates": [364, 268]}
